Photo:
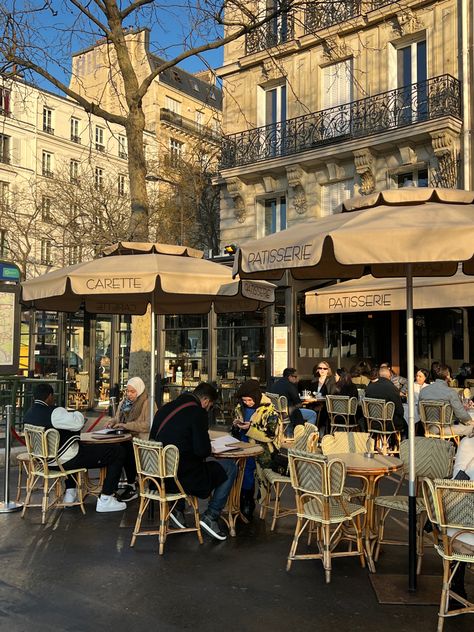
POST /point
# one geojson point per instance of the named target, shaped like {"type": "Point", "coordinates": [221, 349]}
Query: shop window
{"type": "Point", "coordinates": [241, 346]}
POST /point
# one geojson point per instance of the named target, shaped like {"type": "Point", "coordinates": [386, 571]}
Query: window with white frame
{"type": "Point", "coordinates": [75, 137]}
{"type": "Point", "coordinates": [334, 193]}
{"type": "Point", "coordinates": [198, 117]}
{"type": "Point", "coordinates": [176, 152]}
{"type": "Point", "coordinates": [122, 146]}
{"type": "Point", "coordinates": [75, 255]}
{"type": "Point", "coordinates": [4, 101]}
{"type": "Point", "coordinates": [412, 73]}
{"type": "Point", "coordinates": [3, 243]}
{"type": "Point", "coordinates": [172, 104]}
{"type": "Point", "coordinates": [275, 215]}
{"type": "Point", "coordinates": [74, 171]}
{"type": "Point", "coordinates": [4, 194]}
{"type": "Point", "coordinates": [45, 252]}
{"type": "Point", "coordinates": [45, 208]}
{"type": "Point", "coordinates": [121, 184]}
{"type": "Point", "coordinates": [272, 112]}
{"type": "Point", "coordinates": [4, 148]}
{"type": "Point", "coordinates": [411, 178]}
{"type": "Point", "coordinates": [47, 164]}
{"type": "Point", "coordinates": [337, 94]}
{"type": "Point", "coordinates": [48, 120]}
{"type": "Point", "coordinates": [99, 178]}
{"type": "Point", "coordinates": [99, 138]}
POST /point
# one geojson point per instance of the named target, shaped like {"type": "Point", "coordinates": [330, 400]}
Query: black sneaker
{"type": "Point", "coordinates": [211, 525]}
{"type": "Point", "coordinates": [177, 518]}
{"type": "Point", "coordinates": [129, 493]}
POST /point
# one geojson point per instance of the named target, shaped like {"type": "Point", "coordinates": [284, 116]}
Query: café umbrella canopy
{"type": "Point", "coordinates": [397, 233]}
{"type": "Point", "coordinates": [172, 279]}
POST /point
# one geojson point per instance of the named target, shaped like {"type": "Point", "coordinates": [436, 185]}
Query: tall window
{"type": "Point", "coordinates": [198, 117]}
{"type": "Point", "coordinates": [412, 74]}
{"type": "Point", "coordinates": [45, 208]}
{"type": "Point", "coordinates": [337, 94]}
{"type": "Point", "coordinates": [74, 255]}
{"type": "Point", "coordinates": [99, 138]}
{"type": "Point", "coordinates": [176, 152]}
{"type": "Point", "coordinates": [74, 171]}
{"type": "Point", "coordinates": [45, 252]}
{"type": "Point", "coordinates": [4, 194]}
{"type": "Point", "coordinates": [334, 193]}
{"type": "Point", "coordinates": [4, 148]}
{"type": "Point", "coordinates": [275, 215]}
{"type": "Point", "coordinates": [75, 137]}
{"type": "Point", "coordinates": [173, 105]}
{"type": "Point", "coordinates": [3, 243]}
{"type": "Point", "coordinates": [121, 184]}
{"type": "Point", "coordinates": [47, 164]}
{"type": "Point", "coordinates": [275, 115]}
{"type": "Point", "coordinates": [99, 178]}
{"type": "Point", "coordinates": [122, 146]}
{"type": "Point", "coordinates": [4, 101]}
{"type": "Point", "coordinates": [48, 120]}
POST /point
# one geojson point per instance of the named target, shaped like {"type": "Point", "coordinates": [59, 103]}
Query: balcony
{"type": "Point", "coordinates": [277, 31]}
{"type": "Point", "coordinates": [47, 173]}
{"type": "Point", "coordinates": [48, 130]}
{"type": "Point", "coordinates": [322, 15]}
{"type": "Point", "coordinates": [188, 125]}
{"type": "Point", "coordinates": [123, 155]}
{"type": "Point", "coordinates": [76, 139]}
{"type": "Point", "coordinates": [100, 148]}
{"type": "Point", "coordinates": [409, 105]}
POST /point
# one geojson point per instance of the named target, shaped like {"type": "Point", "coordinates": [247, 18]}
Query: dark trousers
{"type": "Point", "coordinates": [129, 465]}
{"type": "Point", "coordinates": [111, 456]}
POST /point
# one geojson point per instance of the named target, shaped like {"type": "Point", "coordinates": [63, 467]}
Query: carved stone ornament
{"type": "Point", "coordinates": [407, 22]}
{"type": "Point", "coordinates": [240, 212]}
{"type": "Point", "coordinates": [270, 71]}
{"type": "Point", "coordinates": [442, 143]}
{"type": "Point", "coordinates": [444, 148]}
{"type": "Point", "coordinates": [234, 186]}
{"type": "Point", "coordinates": [299, 200]}
{"type": "Point", "coordinates": [335, 49]}
{"type": "Point", "coordinates": [407, 154]}
{"type": "Point", "coordinates": [294, 176]}
{"type": "Point", "coordinates": [364, 165]}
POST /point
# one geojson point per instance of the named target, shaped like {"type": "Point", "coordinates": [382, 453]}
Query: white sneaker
{"type": "Point", "coordinates": [109, 503]}
{"type": "Point", "coordinates": [70, 497]}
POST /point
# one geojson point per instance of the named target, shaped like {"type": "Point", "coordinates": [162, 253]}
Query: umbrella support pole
{"type": "Point", "coordinates": [152, 358]}
{"type": "Point", "coordinates": [411, 433]}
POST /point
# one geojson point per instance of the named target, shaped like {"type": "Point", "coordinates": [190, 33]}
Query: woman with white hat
{"type": "Point", "coordinates": [133, 415]}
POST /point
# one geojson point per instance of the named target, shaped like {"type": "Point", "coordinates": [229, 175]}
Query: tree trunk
{"type": "Point", "coordinates": [140, 350]}
{"type": "Point", "coordinates": [138, 230]}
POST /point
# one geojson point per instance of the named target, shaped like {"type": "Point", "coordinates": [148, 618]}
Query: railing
{"type": "Point", "coordinates": [48, 129]}
{"type": "Point", "coordinates": [409, 105]}
{"type": "Point", "coordinates": [277, 31]}
{"type": "Point", "coordinates": [187, 124]}
{"type": "Point", "coordinates": [321, 15]}
{"type": "Point", "coordinates": [76, 139]}
{"type": "Point", "coordinates": [47, 173]}
{"type": "Point", "coordinates": [100, 147]}
{"type": "Point", "coordinates": [123, 154]}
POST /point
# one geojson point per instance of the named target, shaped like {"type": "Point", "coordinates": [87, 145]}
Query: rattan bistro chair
{"type": "Point", "coordinates": [273, 484]}
{"type": "Point", "coordinates": [342, 412]}
{"type": "Point", "coordinates": [42, 446]}
{"type": "Point", "coordinates": [320, 500]}
{"type": "Point", "coordinates": [348, 442]}
{"type": "Point", "coordinates": [379, 416]}
{"type": "Point", "coordinates": [156, 467]}
{"type": "Point", "coordinates": [450, 507]}
{"type": "Point", "coordinates": [437, 418]}
{"type": "Point", "coordinates": [433, 459]}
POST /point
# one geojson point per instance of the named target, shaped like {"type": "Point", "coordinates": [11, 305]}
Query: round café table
{"type": "Point", "coordinates": [232, 512]}
{"type": "Point", "coordinates": [371, 470]}
{"type": "Point", "coordinates": [94, 486]}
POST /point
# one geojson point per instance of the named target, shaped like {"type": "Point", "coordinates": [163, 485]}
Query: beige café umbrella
{"type": "Point", "coordinates": [397, 233]}
{"type": "Point", "coordinates": [172, 279]}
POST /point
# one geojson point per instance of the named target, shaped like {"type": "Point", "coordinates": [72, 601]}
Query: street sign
{"type": "Point", "coordinates": [9, 272]}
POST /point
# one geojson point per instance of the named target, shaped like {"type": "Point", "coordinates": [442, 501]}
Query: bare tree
{"type": "Point", "coordinates": [35, 37]}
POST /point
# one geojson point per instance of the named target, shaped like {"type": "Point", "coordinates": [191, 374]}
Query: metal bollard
{"type": "Point", "coordinates": [8, 506]}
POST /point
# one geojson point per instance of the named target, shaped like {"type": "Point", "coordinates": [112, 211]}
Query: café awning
{"type": "Point", "coordinates": [369, 294]}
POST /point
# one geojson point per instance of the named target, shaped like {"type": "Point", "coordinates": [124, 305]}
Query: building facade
{"type": "Point", "coordinates": [335, 99]}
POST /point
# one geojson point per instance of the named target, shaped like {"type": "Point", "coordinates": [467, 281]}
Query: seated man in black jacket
{"type": "Point", "coordinates": [381, 387]}
{"type": "Point", "coordinates": [286, 386]}
{"type": "Point", "coordinates": [72, 454]}
{"type": "Point", "coordinates": [184, 423]}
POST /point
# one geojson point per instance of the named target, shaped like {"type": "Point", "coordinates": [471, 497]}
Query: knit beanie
{"type": "Point", "coordinates": [138, 384]}
{"type": "Point", "coordinates": [250, 388]}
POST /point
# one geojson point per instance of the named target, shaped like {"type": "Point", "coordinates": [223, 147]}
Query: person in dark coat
{"type": "Point", "coordinates": [287, 386]}
{"type": "Point", "coordinates": [184, 423]}
{"type": "Point", "coordinates": [381, 387]}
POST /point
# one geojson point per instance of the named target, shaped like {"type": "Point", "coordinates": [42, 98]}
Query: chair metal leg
{"type": "Point", "coordinates": [298, 531]}
{"type": "Point", "coordinates": [141, 510]}
{"type": "Point", "coordinates": [44, 502]}
{"type": "Point", "coordinates": [164, 512]}
{"type": "Point", "coordinates": [326, 530]}
{"type": "Point", "coordinates": [444, 602]}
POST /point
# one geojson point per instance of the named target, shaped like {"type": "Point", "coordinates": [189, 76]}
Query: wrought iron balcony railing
{"type": "Point", "coordinates": [277, 31]}
{"type": "Point", "coordinates": [408, 105]}
{"type": "Point", "coordinates": [187, 124]}
{"type": "Point", "coordinates": [322, 15]}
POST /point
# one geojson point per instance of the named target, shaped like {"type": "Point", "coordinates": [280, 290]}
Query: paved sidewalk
{"type": "Point", "coordinates": [78, 574]}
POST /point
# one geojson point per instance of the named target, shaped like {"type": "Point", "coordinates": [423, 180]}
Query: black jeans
{"type": "Point", "coordinates": [111, 456]}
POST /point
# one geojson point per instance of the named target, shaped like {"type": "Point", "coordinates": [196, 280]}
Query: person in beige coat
{"type": "Point", "coordinates": [133, 415]}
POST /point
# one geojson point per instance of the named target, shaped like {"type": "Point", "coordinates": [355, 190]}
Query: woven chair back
{"type": "Point", "coordinates": [304, 437]}
{"type": "Point", "coordinates": [341, 405]}
{"type": "Point", "coordinates": [435, 413]}
{"type": "Point", "coordinates": [347, 442]}
{"type": "Point", "coordinates": [433, 458]}
{"type": "Point", "coordinates": [314, 474]}
{"type": "Point", "coordinates": [450, 503]}
{"type": "Point", "coordinates": [154, 460]}
{"type": "Point", "coordinates": [42, 446]}
{"type": "Point", "coordinates": [379, 414]}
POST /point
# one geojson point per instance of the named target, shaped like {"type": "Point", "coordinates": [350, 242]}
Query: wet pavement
{"type": "Point", "coordinates": [78, 574]}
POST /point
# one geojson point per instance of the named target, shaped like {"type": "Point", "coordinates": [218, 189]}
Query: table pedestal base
{"type": "Point", "coordinates": [393, 589]}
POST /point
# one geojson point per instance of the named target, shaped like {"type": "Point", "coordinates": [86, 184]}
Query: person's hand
{"type": "Point", "coordinates": [120, 426]}
{"type": "Point", "coordinates": [110, 424]}
{"type": "Point", "coordinates": [243, 425]}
